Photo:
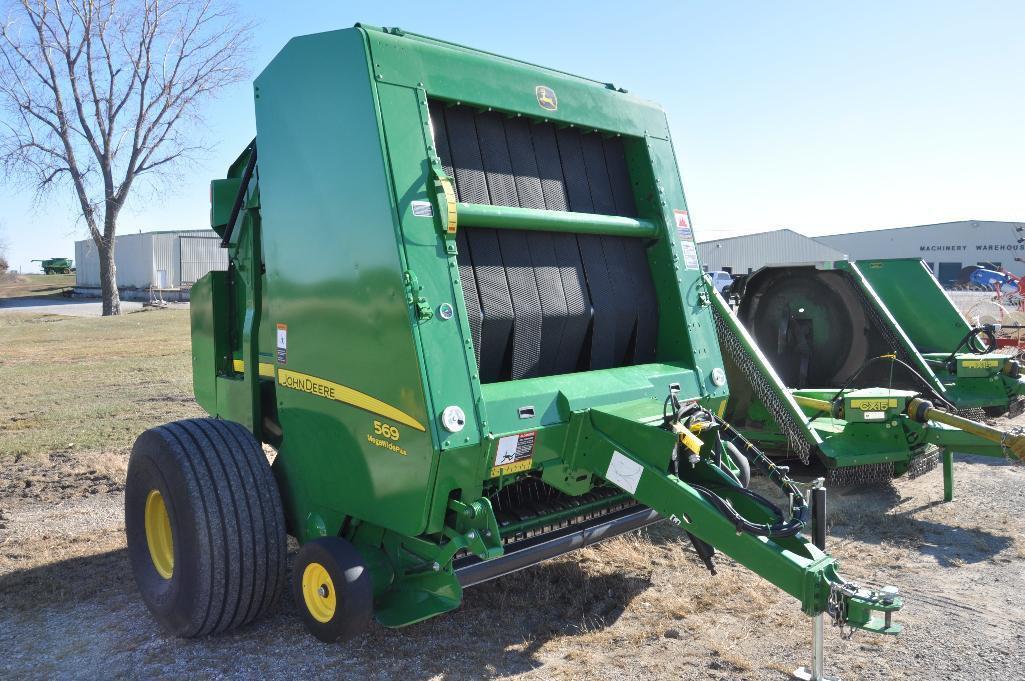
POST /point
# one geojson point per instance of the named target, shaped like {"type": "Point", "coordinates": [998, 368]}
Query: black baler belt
{"type": "Point", "coordinates": [619, 177]}
{"type": "Point", "coordinates": [526, 305]}
{"type": "Point", "coordinates": [468, 282]}
{"type": "Point", "coordinates": [549, 167]}
{"type": "Point", "coordinates": [602, 347]}
{"type": "Point", "coordinates": [597, 174]}
{"type": "Point", "coordinates": [495, 302]}
{"type": "Point", "coordinates": [494, 151]}
{"type": "Point", "coordinates": [524, 164]}
{"type": "Point", "coordinates": [645, 300]}
{"type": "Point", "coordinates": [552, 295]}
{"type": "Point", "coordinates": [574, 171]}
{"type": "Point", "coordinates": [578, 303]}
{"type": "Point", "coordinates": [623, 301]}
{"type": "Point", "coordinates": [471, 186]}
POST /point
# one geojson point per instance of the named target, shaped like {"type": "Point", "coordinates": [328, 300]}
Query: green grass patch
{"type": "Point", "coordinates": [91, 383]}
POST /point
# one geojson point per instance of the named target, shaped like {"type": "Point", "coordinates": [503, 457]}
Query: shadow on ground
{"type": "Point", "coordinates": [498, 631]}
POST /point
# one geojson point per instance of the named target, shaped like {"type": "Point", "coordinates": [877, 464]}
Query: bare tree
{"type": "Point", "coordinates": [99, 93]}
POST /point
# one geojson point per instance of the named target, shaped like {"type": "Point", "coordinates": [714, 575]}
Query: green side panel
{"type": "Point", "coordinates": [222, 200]}
{"type": "Point", "coordinates": [209, 336]}
{"type": "Point", "coordinates": [334, 279]}
{"type": "Point", "coordinates": [445, 345]}
{"type": "Point", "coordinates": [856, 270]}
{"type": "Point", "coordinates": [918, 303]}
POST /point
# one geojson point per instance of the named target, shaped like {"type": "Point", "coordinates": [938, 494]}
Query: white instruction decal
{"type": "Point", "coordinates": [873, 415]}
{"type": "Point", "coordinates": [423, 209]}
{"type": "Point", "coordinates": [282, 343]}
{"type": "Point", "coordinates": [624, 472]}
{"type": "Point", "coordinates": [690, 255]}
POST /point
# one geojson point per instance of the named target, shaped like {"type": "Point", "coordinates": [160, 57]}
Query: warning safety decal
{"type": "Point", "coordinates": [514, 454]}
{"type": "Point", "coordinates": [682, 221]}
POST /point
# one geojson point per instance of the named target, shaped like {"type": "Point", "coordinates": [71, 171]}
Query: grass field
{"type": "Point", "coordinates": [35, 285]}
{"type": "Point", "coordinates": [79, 384]}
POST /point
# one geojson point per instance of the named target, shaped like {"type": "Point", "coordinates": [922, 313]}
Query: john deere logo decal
{"type": "Point", "coordinates": [546, 98]}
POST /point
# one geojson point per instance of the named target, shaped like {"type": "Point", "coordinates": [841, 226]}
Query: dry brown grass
{"type": "Point", "coordinates": [74, 386]}
{"type": "Point", "coordinates": [35, 285]}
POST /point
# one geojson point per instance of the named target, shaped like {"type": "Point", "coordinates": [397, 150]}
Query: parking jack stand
{"type": "Point", "coordinates": [818, 518]}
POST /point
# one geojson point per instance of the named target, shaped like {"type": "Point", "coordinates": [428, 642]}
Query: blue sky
{"type": "Point", "coordinates": [821, 117]}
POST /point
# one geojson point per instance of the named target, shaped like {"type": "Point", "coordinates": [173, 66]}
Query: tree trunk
{"type": "Point", "coordinates": [108, 278]}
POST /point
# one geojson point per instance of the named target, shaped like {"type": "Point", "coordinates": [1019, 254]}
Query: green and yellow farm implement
{"type": "Point", "coordinates": [56, 265]}
{"type": "Point", "coordinates": [463, 308]}
{"type": "Point", "coordinates": [860, 431]}
{"type": "Point", "coordinates": [877, 322]}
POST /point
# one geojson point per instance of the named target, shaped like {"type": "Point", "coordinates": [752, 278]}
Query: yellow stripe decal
{"type": "Point", "coordinates": [266, 368]}
{"type": "Point", "coordinates": [340, 393]}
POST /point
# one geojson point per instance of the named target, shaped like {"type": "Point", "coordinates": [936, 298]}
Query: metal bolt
{"type": "Point", "coordinates": [322, 591]}
{"type": "Point", "coordinates": [674, 520]}
{"type": "Point", "coordinates": [471, 535]}
{"type": "Point", "coordinates": [436, 566]}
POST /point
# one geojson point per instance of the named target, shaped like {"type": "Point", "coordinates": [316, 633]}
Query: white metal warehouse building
{"type": "Point", "coordinates": [744, 254]}
{"type": "Point", "coordinates": [169, 261]}
{"type": "Point", "coordinates": [946, 247]}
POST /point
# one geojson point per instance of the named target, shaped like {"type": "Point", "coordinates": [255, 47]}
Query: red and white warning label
{"type": "Point", "coordinates": [514, 454]}
{"type": "Point", "coordinates": [682, 220]}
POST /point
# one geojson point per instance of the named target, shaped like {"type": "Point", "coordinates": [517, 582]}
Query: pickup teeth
{"type": "Point", "coordinates": [528, 502]}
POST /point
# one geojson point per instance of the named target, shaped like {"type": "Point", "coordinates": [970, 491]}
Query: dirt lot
{"type": "Point", "coordinates": [75, 392]}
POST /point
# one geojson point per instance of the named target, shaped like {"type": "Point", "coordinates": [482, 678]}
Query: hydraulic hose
{"type": "Point", "coordinates": [971, 341]}
{"type": "Point", "coordinates": [745, 453]}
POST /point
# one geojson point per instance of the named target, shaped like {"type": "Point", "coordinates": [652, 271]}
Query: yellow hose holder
{"type": "Point", "coordinates": [691, 441]}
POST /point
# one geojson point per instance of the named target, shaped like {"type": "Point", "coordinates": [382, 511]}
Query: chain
{"type": "Point", "coordinates": [837, 606]}
{"type": "Point", "coordinates": [762, 387]}
{"type": "Point", "coordinates": [922, 464]}
{"type": "Point", "coordinates": [848, 476]}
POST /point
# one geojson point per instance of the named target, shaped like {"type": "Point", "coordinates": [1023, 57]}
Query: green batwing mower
{"type": "Point", "coordinates": [860, 432]}
{"type": "Point", "coordinates": [460, 319]}
{"type": "Point", "coordinates": [878, 322]}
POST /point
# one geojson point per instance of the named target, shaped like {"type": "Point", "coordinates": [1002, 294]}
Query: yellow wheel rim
{"type": "Point", "coordinates": [158, 535]}
{"type": "Point", "coordinates": [319, 592]}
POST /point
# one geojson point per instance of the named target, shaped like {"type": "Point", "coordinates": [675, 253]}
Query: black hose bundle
{"type": "Point", "coordinates": [971, 341]}
{"type": "Point", "coordinates": [744, 448]}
